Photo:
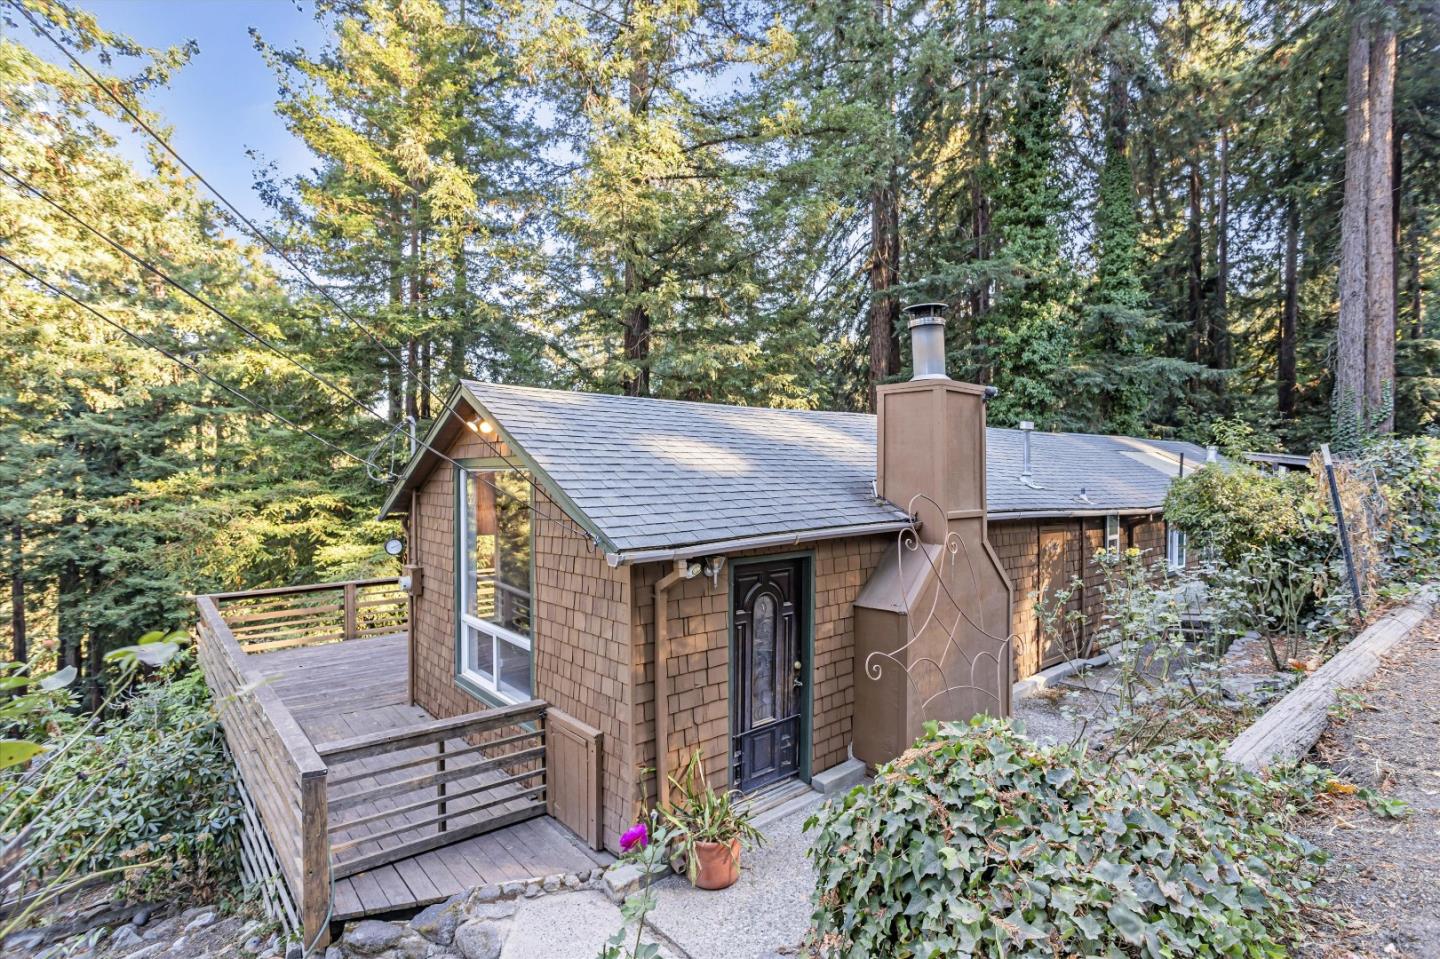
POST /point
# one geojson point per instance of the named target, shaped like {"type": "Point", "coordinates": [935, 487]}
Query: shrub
{"type": "Point", "coordinates": [979, 842]}
{"type": "Point", "coordinates": [1407, 472]}
{"type": "Point", "coordinates": [1234, 508]}
{"type": "Point", "coordinates": [149, 791]}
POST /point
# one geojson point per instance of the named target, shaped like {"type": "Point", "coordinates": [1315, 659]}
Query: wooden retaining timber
{"type": "Point", "coordinates": [352, 796]}
{"type": "Point", "coordinates": [1288, 729]}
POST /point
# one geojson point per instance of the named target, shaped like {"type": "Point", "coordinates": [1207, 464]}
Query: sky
{"type": "Point", "coordinates": [222, 104]}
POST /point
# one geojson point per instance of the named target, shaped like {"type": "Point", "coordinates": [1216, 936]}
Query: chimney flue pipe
{"type": "Point", "coordinates": [1026, 427]}
{"type": "Point", "coordinates": [927, 340]}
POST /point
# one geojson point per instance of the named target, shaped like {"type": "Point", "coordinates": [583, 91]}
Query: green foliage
{"type": "Point", "coordinates": [1407, 472]}
{"type": "Point", "coordinates": [148, 792]}
{"type": "Point", "coordinates": [701, 814]}
{"type": "Point", "coordinates": [1234, 508]}
{"type": "Point", "coordinates": [650, 852]}
{"type": "Point", "coordinates": [978, 842]}
{"type": "Point", "coordinates": [129, 483]}
{"type": "Point", "coordinates": [32, 709]}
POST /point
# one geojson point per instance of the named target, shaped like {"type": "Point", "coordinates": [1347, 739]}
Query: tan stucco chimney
{"type": "Point", "coordinates": [932, 622]}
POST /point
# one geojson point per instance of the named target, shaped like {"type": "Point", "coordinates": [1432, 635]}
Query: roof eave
{"type": "Point", "coordinates": [1000, 516]}
{"type": "Point", "coordinates": [427, 456]}
{"type": "Point", "coordinates": [690, 551]}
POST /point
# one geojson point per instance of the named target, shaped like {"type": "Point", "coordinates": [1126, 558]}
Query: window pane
{"type": "Point", "coordinates": [498, 550]}
{"type": "Point", "coordinates": [479, 657]}
{"type": "Point", "coordinates": [762, 660]}
{"type": "Point", "coordinates": [514, 670]}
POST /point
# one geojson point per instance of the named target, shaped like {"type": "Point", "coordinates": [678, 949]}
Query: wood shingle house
{"type": "Point", "coordinates": [598, 585]}
{"type": "Point", "coordinates": [716, 553]}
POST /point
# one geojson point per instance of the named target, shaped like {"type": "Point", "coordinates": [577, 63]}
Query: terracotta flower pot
{"type": "Point", "coordinates": [717, 864]}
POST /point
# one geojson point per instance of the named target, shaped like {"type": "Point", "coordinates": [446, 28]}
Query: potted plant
{"type": "Point", "coordinates": [708, 829]}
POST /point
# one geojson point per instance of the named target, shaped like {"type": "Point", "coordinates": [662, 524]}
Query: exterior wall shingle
{"type": "Point", "coordinates": [1017, 542]}
{"type": "Point", "coordinates": [699, 615]}
{"type": "Point", "coordinates": [582, 657]}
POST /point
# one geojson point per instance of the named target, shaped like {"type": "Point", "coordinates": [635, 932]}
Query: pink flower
{"type": "Point", "coordinates": [636, 837]}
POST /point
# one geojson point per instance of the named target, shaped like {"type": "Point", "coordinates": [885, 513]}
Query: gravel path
{"type": "Point", "coordinates": [1382, 882]}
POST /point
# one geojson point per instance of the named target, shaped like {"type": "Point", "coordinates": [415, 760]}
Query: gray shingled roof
{"type": "Point", "coordinates": [656, 474]}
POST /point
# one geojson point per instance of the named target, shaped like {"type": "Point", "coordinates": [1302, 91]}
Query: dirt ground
{"type": "Point", "coordinates": [1383, 881]}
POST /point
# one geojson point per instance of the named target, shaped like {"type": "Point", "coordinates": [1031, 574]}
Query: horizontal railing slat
{"type": "Point", "coordinates": [429, 758]}
{"type": "Point", "coordinates": [450, 815]}
{"type": "Point", "coordinates": [394, 740]}
{"type": "Point", "coordinates": [386, 790]}
{"type": "Point", "coordinates": [415, 847]}
{"type": "Point", "coordinates": [292, 590]}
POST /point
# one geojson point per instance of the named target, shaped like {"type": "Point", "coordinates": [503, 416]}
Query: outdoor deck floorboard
{"type": "Point", "coordinates": [343, 689]}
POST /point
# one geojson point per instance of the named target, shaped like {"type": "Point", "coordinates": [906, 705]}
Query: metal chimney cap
{"type": "Point", "coordinates": [925, 314]}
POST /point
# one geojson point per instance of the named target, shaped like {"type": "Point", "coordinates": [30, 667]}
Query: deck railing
{"type": "Point", "coordinates": [267, 619]}
{"type": "Point", "coordinates": [400, 792]}
{"type": "Point", "coordinates": [282, 778]}
{"type": "Point", "coordinates": [317, 813]}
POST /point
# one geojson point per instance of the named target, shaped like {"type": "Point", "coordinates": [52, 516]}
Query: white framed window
{"type": "Point", "coordinates": [1112, 532]}
{"type": "Point", "coordinates": [1175, 547]}
{"type": "Point", "coordinates": [495, 548]}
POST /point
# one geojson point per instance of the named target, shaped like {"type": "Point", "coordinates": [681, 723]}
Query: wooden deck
{"type": "Point", "coordinates": [356, 801]}
{"type": "Point", "coordinates": [338, 691]}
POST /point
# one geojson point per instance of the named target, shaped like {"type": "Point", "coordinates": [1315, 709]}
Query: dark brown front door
{"type": "Point", "coordinates": [767, 653]}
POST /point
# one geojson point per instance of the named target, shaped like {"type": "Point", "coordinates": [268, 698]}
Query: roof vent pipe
{"type": "Point", "coordinates": [927, 340]}
{"type": "Point", "coordinates": [1212, 454]}
{"type": "Point", "coordinates": [1026, 428]}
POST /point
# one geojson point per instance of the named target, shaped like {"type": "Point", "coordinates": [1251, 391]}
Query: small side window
{"type": "Point", "coordinates": [1112, 533]}
{"type": "Point", "coordinates": [1175, 547]}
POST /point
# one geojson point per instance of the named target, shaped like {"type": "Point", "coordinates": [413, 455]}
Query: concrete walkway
{"type": "Point", "coordinates": [766, 911]}
{"type": "Point", "coordinates": [571, 925]}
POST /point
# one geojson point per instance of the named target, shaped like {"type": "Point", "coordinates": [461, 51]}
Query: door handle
{"type": "Point", "coordinates": [799, 679]}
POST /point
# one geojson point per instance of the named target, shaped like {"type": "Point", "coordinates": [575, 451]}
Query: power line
{"type": "Point", "coordinates": [255, 230]}
{"type": "Point", "coordinates": [248, 331]}
{"type": "Point", "coordinates": [237, 324]}
{"type": "Point", "coordinates": [265, 239]}
{"type": "Point", "coordinates": [176, 359]}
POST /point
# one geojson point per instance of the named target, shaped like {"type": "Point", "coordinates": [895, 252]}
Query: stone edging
{"type": "Point", "coordinates": [1286, 731]}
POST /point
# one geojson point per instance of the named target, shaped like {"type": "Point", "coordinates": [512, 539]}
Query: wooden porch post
{"type": "Point", "coordinates": [352, 594]}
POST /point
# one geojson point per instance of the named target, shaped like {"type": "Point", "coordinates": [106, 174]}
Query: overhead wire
{"type": "Point", "coordinates": [144, 341]}
{"type": "Point", "coordinates": [263, 237]}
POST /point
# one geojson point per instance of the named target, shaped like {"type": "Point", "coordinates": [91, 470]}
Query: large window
{"type": "Point", "coordinates": [495, 603]}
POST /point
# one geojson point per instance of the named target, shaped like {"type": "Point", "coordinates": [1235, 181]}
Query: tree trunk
{"type": "Point", "coordinates": [412, 362]}
{"type": "Point", "coordinates": [19, 650]}
{"type": "Point", "coordinates": [1350, 336]}
{"type": "Point", "coordinates": [637, 338]}
{"type": "Point", "coordinates": [1417, 289]}
{"type": "Point", "coordinates": [884, 273]}
{"type": "Point", "coordinates": [1220, 323]}
{"type": "Point", "coordinates": [1194, 277]}
{"type": "Point", "coordinates": [1289, 312]}
{"type": "Point", "coordinates": [636, 319]}
{"type": "Point", "coordinates": [1380, 237]}
{"type": "Point", "coordinates": [68, 621]}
